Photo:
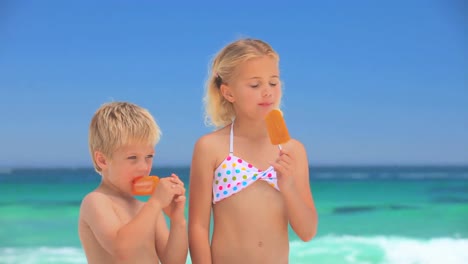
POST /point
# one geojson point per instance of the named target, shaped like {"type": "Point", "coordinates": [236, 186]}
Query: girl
{"type": "Point", "coordinates": [254, 188]}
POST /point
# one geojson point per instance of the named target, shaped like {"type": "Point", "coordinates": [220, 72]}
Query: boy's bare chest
{"type": "Point", "coordinates": [126, 211]}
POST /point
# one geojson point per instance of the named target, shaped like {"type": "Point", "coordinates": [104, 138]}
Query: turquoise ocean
{"type": "Point", "coordinates": [384, 214]}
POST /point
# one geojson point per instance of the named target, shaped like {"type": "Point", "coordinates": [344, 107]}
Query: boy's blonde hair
{"type": "Point", "coordinates": [218, 111]}
{"type": "Point", "coordinates": [116, 124]}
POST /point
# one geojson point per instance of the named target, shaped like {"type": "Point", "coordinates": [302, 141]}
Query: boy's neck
{"type": "Point", "coordinates": [109, 189]}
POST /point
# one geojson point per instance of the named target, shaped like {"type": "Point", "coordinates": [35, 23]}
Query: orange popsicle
{"type": "Point", "coordinates": [277, 129]}
{"type": "Point", "coordinates": [144, 185]}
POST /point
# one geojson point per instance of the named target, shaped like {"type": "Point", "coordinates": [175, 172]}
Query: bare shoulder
{"type": "Point", "coordinates": [297, 146]}
{"type": "Point", "coordinates": [213, 144]}
{"type": "Point", "coordinates": [209, 151]}
{"type": "Point", "coordinates": [205, 142]}
{"type": "Point", "coordinates": [212, 138]}
{"type": "Point", "coordinates": [94, 201]}
{"type": "Point", "coordinates": [93, 197]}
{"type": "Point", "coordinates": [299, 151]}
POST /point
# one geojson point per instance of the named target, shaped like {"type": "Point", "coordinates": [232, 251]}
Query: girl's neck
{"type": "Point", "coordinates": [251, 129]}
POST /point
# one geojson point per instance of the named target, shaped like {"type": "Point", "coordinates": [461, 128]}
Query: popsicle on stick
{"type": "Point", "coordinates": [144, 185]}
{"type": "Point", "coordinates": [277, 129]}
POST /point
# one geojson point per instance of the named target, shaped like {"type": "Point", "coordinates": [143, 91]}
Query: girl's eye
{"type": "Point", "coordinates": [273, 84]}
{"type": "Point", "coordinates": [132, 158]}
{"type": "Point", "coordinates": [254, 85]}
{"type": "Point", "coordinates": [149, 156]}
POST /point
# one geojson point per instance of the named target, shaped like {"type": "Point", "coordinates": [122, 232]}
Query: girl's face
{"type": "Point", "coordinates": [256, 88]}
{"type": "Point", "coordinates": [127, 163]}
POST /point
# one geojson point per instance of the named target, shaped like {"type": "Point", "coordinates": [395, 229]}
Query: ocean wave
{"type": "Point", "coordinates": [351, 209]}
{"type": "Point", "coordinates": [42, 255]}
{"type": "Point", "coordinates": [360, 173]}
{"type": "Point", "coordinates": [327, 249]}
{"type": "Point", "coordinates": [380, 250]}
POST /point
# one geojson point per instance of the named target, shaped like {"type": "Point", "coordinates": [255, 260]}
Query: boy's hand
{"type": "Point", "coordinates": [166, 190]}
{"type": "Point", "coordinates": [284, 167]}
{"type": "Point", "coordinates": [175, 210]}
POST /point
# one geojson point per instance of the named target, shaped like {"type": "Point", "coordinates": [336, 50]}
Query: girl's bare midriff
{"type": "Point", "coordinates": [251, 227]}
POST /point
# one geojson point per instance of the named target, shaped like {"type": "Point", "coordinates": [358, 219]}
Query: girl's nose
{"type": "Point", "coordinates": [266, 92]}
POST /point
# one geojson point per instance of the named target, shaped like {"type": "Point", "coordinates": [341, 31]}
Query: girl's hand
{"type": "Point", "coordinates": [285, 166]}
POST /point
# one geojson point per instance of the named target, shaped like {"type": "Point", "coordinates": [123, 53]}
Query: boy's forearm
{"type": "Point", "coordinates": [177, 244]}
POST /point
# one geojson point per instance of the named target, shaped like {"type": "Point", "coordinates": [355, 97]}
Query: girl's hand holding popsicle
{"type": "Point", "coordinates": [277, 129]}
{"type": "Point", "coordinates": [284, 165]}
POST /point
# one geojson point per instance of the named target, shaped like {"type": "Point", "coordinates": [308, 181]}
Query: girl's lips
{"type": "Point", "coordinates": [265, 104]}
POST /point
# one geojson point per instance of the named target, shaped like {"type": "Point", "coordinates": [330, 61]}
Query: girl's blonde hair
{"type": "Point", "coordinates": [218, 111]}
{"type": "Point", "coordinates": [117, 124]}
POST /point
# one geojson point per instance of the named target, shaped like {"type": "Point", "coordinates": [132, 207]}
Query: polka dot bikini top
{"type": "Point", "coordinates": [235, 174]}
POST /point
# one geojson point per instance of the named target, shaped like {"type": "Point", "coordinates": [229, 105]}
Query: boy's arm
{"type": "Point", "coordinates": [300, 207]}
{"type": "Point", "coordinates": [201, 184]}
{"type": "Point", "coordinates": [172, 245]}
{"type": "Point", "coordinates": [123, 241]}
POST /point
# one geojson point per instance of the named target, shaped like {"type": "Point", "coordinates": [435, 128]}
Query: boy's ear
{"type": "Point", "coordinates": [227, 93]}
{"type": "Point", "coordinates": [100, 159]}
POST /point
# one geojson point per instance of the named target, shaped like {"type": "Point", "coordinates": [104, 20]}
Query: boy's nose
{"type": "Point", "coordinates": [144, 166]}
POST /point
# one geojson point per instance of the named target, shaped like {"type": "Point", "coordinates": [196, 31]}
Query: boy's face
{"type": "Point", "coordinates": [127, 163]}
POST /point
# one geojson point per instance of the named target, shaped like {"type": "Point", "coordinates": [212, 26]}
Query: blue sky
{"type": "Point", "coordinates": [366, 82]}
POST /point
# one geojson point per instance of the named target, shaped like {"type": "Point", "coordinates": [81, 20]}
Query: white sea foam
{"type": "Point", "coordinates": [42, 255]}
{"type": "Point", "coordinates": [328, 249]}
{"type": "Point", "coordinates": [380, 250]}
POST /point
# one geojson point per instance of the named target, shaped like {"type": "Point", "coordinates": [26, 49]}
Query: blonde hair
{"type": "Point", "coordinates": [218, 111]}
{"type": "Point", "coordinates": [116, 124]}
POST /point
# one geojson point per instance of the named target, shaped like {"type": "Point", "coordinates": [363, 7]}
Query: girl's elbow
{"type": "Point", "coordinates": [307, 236]}
{"type": "Point", "coordinates": [311, 232]}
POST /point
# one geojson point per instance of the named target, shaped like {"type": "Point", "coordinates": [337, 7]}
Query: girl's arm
{"type": "Point", "coordinates": [201, 184]}
{"type": "Point", "coordinates": [293, 170]}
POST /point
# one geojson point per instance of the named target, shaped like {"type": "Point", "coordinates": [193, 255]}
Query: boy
{"type": "Point", "coordinates": [114, 227]}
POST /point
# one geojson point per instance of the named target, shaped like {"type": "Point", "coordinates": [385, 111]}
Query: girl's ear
{"type": "Point", "coordinates": [100, 159]}
{"type": "Point", "coordinates": [227, 93]}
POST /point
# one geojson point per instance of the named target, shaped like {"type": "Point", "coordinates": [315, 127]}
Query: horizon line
{"type": "Point", "coordinates": [323, 165]}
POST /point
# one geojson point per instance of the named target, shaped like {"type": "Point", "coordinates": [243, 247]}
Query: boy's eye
{"type": "Point", "coordinates": [150, 156]}
{"type": "Point", "coordinates": [132, 158]}
{"type": "Point", "coordinates": [273, 84]}
{"type": "Point", "coordinates": [254, 85]}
